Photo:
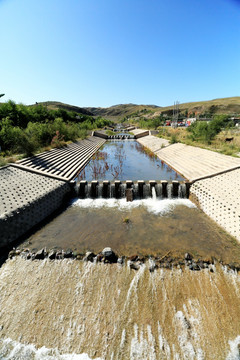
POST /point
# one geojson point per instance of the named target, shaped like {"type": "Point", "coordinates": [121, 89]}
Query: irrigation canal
{"type": "Point", "coordinates": [166, 305]}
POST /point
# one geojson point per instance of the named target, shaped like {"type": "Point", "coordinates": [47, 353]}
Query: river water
{"type": "Point", "coordinates": [126, 160]}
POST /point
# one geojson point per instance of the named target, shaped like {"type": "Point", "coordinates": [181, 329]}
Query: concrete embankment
{"type": "Point", "coordinates": [215, 177]}
{"type": "Point", "coordinates": [35, 187]}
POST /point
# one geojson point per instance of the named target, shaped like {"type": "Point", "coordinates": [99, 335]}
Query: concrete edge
{"type": "Point", "coordinates": [215, 174]}
{"type": "Point", "coordinates": [39, 172]}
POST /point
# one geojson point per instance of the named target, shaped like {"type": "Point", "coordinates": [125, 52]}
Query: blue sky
{"type": "Point", "coordinates": [107, 52]}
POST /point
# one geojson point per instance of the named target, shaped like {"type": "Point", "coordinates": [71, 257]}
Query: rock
{"type": "Point", "coordinates": [11, 254]}
{"type": "Point", "coordinates": [40, 255]}
{"type": "Point", "coordinates": [134, 266]}
{"type": "Point", "coordinates": [188, 256]}
{"type": "Point", "coordinates": [120, 260]}
{"type": "Point", "coordinates": [89, 256]}
{"type": "Point", "coordinates": [100, 257]}
{"type": "Point", "coordinates": [109, 255]}
{"type": "Point", "coordinates": [59, 255]}
{"type": "Point", "coordinates": [52, 255]}
{"type": "Point", "coordinates": [68, 254]}
{"type": "Point", "coordinates": [194, 267]}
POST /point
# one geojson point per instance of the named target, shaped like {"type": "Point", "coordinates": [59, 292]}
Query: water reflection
{"type": "Point", "coordinates": [125, 160]}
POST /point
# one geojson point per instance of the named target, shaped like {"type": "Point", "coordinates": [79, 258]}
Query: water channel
{"type": "Point", "coordinates": [124, 160]}
{"type": "Point", "coordinates": [149, 226]}
{"type": "Point", "coordinates": [77, 310]}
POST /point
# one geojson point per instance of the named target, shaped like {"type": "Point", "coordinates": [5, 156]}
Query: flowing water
{"type": "Point", "coordinates": [145, 227]}
{"type": "Point", "coordinates": [69, 309]}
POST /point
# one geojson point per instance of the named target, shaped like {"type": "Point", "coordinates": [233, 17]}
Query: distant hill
{"type": "Point", "coordinates": [116, 112]}
{"type": "Point", "coordinates": [54, 105]}
{"type": "Point", "coordinates": [228, 106]}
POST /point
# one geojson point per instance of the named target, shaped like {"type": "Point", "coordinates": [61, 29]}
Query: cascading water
{"type": "Point", "coordinates": [141, 189]}
{"type": "Point", "coordinates": [113, 312]}
{"type": "Point", "coordinates": [154, 195]}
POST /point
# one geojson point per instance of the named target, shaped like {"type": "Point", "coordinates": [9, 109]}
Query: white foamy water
{"type": "Point", "coordinates": [234, 353]}
{"type": "Point", "coordinates": [157, 207]}
{"type": "Point", "coordinates": [13, 350]}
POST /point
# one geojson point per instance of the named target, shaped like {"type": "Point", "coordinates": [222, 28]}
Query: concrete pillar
{"type": "Point", "coordinates": [94, 184]}
{"type": "Point", "coordinates": [105, 189]}
{"type": "Point", "coordinates": [117, 189]}
{"type": "Point", "coordinates": [175, 186]}
{"type": "Point", "coordinates": [164, 188]}
{"type": "Point", "coordinates": [129, 184]}
{"type": "Point", "coordinates": [140, 188]}
{"type": "Point", "coordinates": [82, 189]}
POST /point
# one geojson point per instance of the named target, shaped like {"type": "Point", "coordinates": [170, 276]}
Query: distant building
{"type": "Point", "coordinates": [189, 121]}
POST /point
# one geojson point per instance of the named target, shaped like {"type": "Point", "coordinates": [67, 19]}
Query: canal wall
{"type": "Point", "coordinates": [34, 188]}
{"type": "Point", "coordinates": [215, 179]}
{"type": "Point", "coordinates": [139, 133]}
{"type": "Point", "coordinates": [25, 200]}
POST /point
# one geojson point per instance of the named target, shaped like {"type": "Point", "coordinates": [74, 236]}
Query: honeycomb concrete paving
{"type": "Point", "coordinates": [219, 197]}
{"type": "Point", "coordinates": [35, 187]}
{"type": "Point", "coordinates": [25, 200]}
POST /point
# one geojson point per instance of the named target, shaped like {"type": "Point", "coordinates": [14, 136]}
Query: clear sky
{"type": "Point", "coordinates": [107, 52]}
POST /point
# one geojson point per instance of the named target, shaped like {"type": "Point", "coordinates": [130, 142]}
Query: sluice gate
{"type": "Point", "coordinates": [136, 189]}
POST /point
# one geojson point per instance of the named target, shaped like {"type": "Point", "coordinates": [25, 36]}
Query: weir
{"type": "Point", "coordinates": [154, 305]}
{"type": "Point", "coordinates": [141, 189]}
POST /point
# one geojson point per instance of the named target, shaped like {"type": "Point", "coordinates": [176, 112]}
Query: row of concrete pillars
{"type": "Point", "coordinates": [133, 190]}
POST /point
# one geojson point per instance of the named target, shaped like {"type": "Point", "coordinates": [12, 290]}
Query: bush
{"type": "Point", "coordinates": [173, 139]}
{"type": "Point", "coordinates": [206, 131]}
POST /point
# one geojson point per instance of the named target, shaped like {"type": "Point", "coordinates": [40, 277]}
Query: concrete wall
{"type": "Point", "coordinates": [25, 200]}
{"type": "Point", "coordinates": [142, 134]}
{"type": "Point", "coordinates": [99, 134]}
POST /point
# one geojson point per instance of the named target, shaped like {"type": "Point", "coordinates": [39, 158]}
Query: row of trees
{"type": "Point", "coordinates": [26, 129]}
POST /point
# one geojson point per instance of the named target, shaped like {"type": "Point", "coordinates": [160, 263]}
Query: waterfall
{"type": "Point", "coordinates": [75, 310]}
{"type": "Point", "coordinates": [154, 196]}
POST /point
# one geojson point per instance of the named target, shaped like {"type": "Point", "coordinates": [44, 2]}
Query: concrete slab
{"type": "Point", "coordinates": [192, 162]}
{"type": "Point", "coordinates": [153, 143]}
{"type": "Point", "coordinates": [64, 163]}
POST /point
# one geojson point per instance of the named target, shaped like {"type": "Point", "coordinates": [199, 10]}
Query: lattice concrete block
{"type": "Point", "coordinates": [25, 200]}
{"type": "Point", "coordinates": [219, 197]}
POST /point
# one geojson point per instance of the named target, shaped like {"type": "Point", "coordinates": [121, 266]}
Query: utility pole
{"type": "Point", "coordinates": [175, 113]}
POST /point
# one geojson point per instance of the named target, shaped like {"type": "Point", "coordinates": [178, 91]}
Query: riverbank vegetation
{"type": "Point", "coordinates": [28, 129]}
{"type": "Point", "coordinates": [218, 135]}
